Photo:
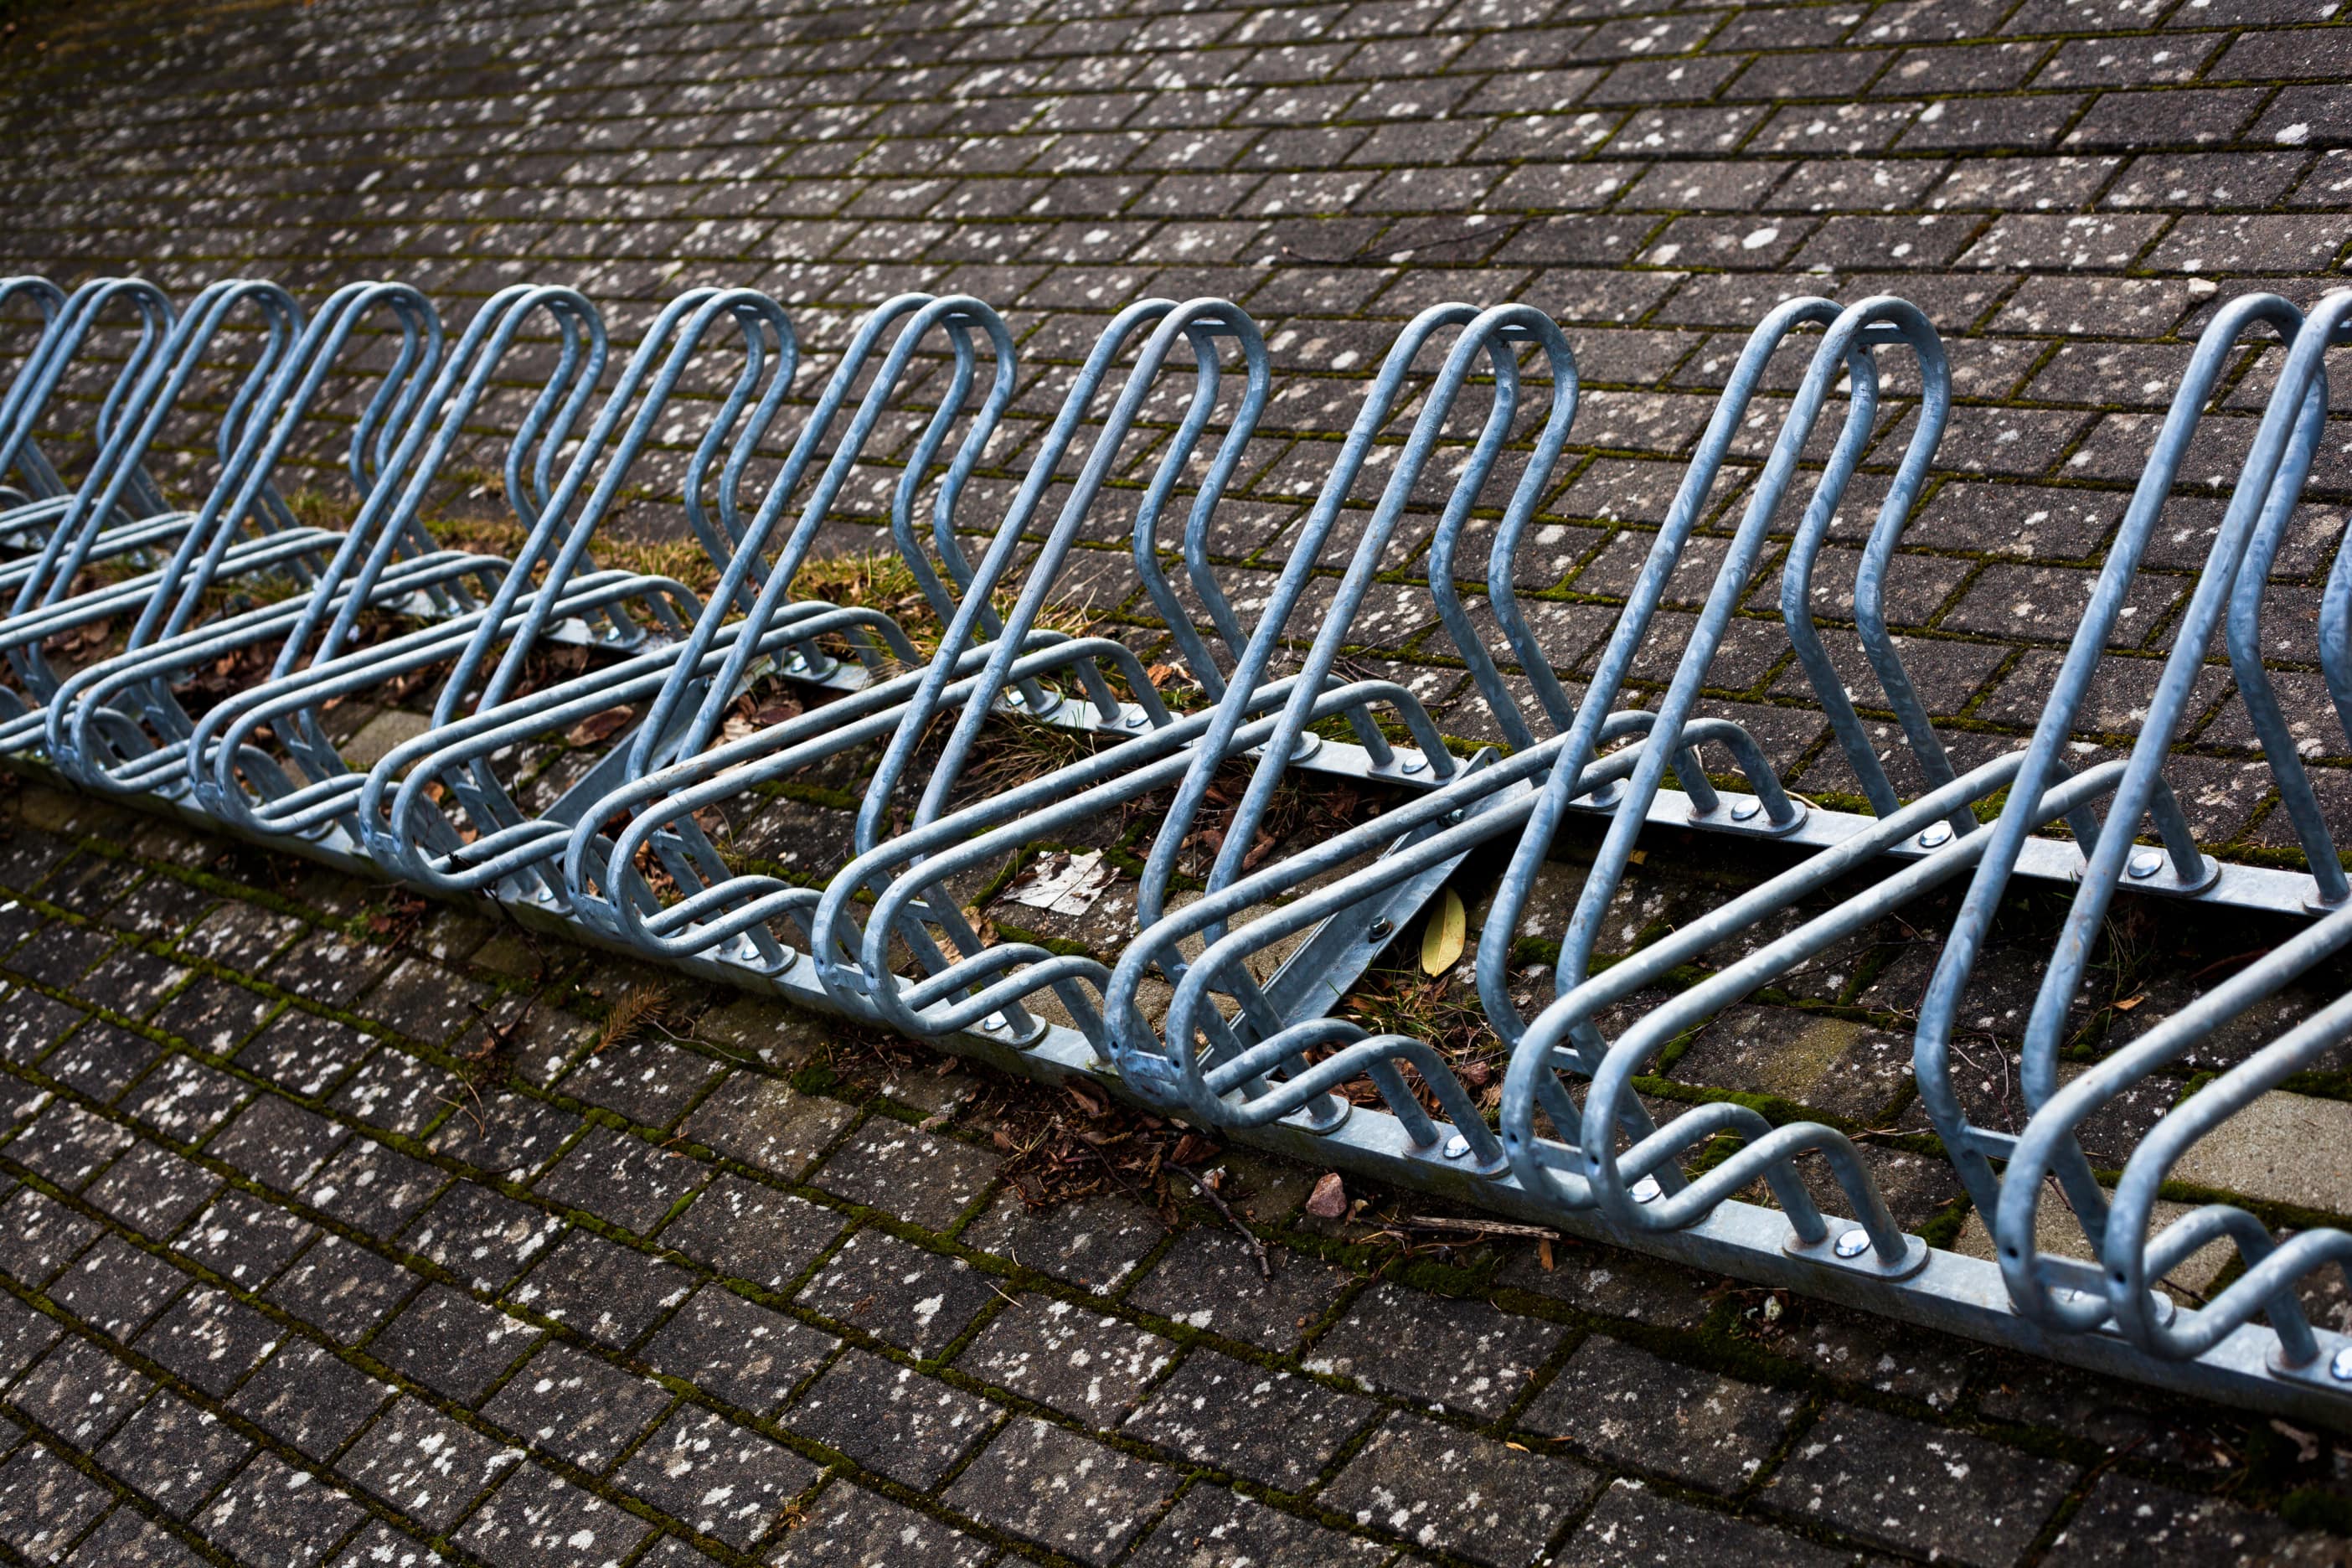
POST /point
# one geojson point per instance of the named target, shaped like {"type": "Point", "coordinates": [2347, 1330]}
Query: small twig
{"type": "Point", "coordinates": [1482, 1227]}
{"type": "Point", "coordinates": [1265, 1268]}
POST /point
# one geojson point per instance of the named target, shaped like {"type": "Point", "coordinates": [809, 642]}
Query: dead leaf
{"type": "Point", "coordinates": [1543, 1254]}
{"type": "Point", "coordinates": [1443, 934]}
{"type": "Point", "coordinates": [598, 726]}
{"type": "Point", "coordinates": [1330, 1198]}
{"type": "Point", "coordinates": [1063, 886]}
{"type": "Point", "coordinates": [2128, 1002]}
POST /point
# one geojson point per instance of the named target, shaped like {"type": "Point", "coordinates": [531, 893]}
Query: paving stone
{"type": "Point", "coordinates": [81, 1393]}
{"type": "Point", "coordinates": [381, 1546]}
{"type": "Point", "coordinates": [908, 1175]}
{"type": "Point", "coordinates": [2277, 1148]}
{"type": "Point", "coordinates": [721, 1479]}
{"type": "Point", "coordinates": [46, 1503]}
{"type": "Point", "coordinates": [1063, 1491]}
{"type": "Point", "coordinates": [486, 1238]}
{"type": "Point", "coordinates": [850, 1527]}
{"type": "Point", "coordinates": [649, 1081]}
{"type": "Point", "coordinates": [126, 1539]}
{"type": "Point", "coordinates": [101, 1059]}
{"type": "Point", "coordinates": [1273, 1427]}
{"type": "Point", "coordinates": [1210, 1280]}
{"type": "Point", "coordinates": [764, 1122]}
{"type": "Point", "coordinates": [918, 1301]}
{"type": "Point", "coordinates": [577, 1407]}
{"type": "Point", "coordinates": [749, 1232]}
{"type": "Point", "coordinates": [211, 1339]}
{"type": "Point", "coordinates": [739, 1351]}
{"type": "Point", "coordinates": [891, 1420]}
{"type": "Point", "coordinates": [602, 1289]}
{"type": "Point", "coordinates": [538, 1520]}
{"type": "Point", "coordinates": [184, 1098]}
{"type": "Point", "coordinates": [396, 1092]}
{"type": "Point", "coordinates": [115, 1287]}
{"type": "Point", "coordinates": [620, 1179]}
{"type": "Point", "coordinates": [1432, 1485]}
{"type": "Point", "coordinates": [375, 1188]}
{"type": "Point", "coordinates": [67, 1144]}
{"type": "Point", "coordinates": [38, 1235]}
{"type": "Point", "coordinates": [153, 1190]}
{"type": "Point", "coordinates": [1094, 1243]}
{"type": "Point", "coordinates": [1082, 1364]}
{"type": "Point", "coordinates": [425, 1464]}
{"type": "Point", "coordinates": [277, 1142]}
{"type": "Point", "coordinates": [342, 1288]}
{"type": "Point", "coordinates": [2129, 1520]}
{"type": "Point", "coordinates": [1460, 1354]}
{"type": "Point", "coordinates": [1632, 1527]}
{"type": "Point", "coordinates": [452, 1343]}
{"type": "Point", "coordinates": [175, 1454]}
{"type": "Point", "coordinates": [508, 1135]}
{"type": "Point", "coordinates": [1633, 1407]}
{"type": "Point", "coordinates": [25, 1333]}
{"type": "Point", "coordinates": [306, 1397]}
{"type": "Point", "coordinates": [244, 1239]}
{"type": "Point", "coordinates": [1918, 1489]}
{"type": "Point", "coordinates": [304, 1053]}
{"type": "Point", "coordinates": [1212, 1528]}
{"type": "Point", "coordinates": [275, 1513]}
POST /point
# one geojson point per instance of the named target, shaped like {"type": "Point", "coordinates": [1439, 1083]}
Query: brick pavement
{"type": "Point", "coordinates": [298, 1272]}
{"type": "Point", "coordinates": [336, 1233]}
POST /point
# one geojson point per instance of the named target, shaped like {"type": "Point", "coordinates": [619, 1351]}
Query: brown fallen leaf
{"type": "Point", "coordinates": [598, 726]}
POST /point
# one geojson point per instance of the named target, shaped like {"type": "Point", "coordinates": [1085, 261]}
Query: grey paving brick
{"type": "Point", "coordinates": [538, 1520]}
{"type": "Point", "coordinates": [484, 1238]}
{"type": "Point", "coordinates": [1433, 1486]}
{"type": "Point", "coordinates": [721, 1479]}
{"type": "Point", "coordinates": [67, 1144]}
{"type": "Point", "coordinates": [918, 1301]}
{"type": "Point", "coordinates": [153, 1190]}
{"type": "Point", "coordinates": [175, 1454]}
{"type": "Point", "coordinates": [1631, 1406]}
{"type": "Point", "coordinates": [115, 1287]}
{"type": "Point", "coordinates": [651, 1081]}
{"type": "Point", "coordinates": [1212, 1528]}
{"type": "Point", "coordinates": [1082, 1364]}
{"type": "Point", "coordinates": [1061, 1490]}
{"type": "Point", "coordinates": [127, 1539]}
{"type": "Point", "coordinates": [576, 1407]}
{"type": "Point", "coordinates": [381, 1546]}
{"type": "Point", "coordinates": [46, 1503]}
{"type": "Point", "coordinates": [763, 1121]}
{"type": "Point", "coordinates": [211, 1339]}
{"type": "Point", "coordinates": [1631, 1525]}
{"type": "Point", "coordinates": [1462, 1355]}
{"type": "Point", "coordinates": [891, 1420]}
{"type": "Point", "coordinates": [601, 1288]}
{"type": "Point", "coordinates": [277, 1142]}
{"type": "Point", "coordinates": [753, 1232]}
{"type": "Point", "coordinates": [452, 1343]}
{"type": "Point", "coordinates": [81, 1393]}
{"type": "Point", "coordinates": [620, 1179]}
{"type": "Point", "coordinates": [244, 1239]}
{"type": "Point", "coordinates": [343, 1289]}
{"type": "Point", "coordinates": [25, 1333]}
{"type": "Point", "coordinates": [1273, 1427]}
{"type": "Point", "coordinates": [426, 1465]}
{"type": "Point", "coordinates": [850, 1527]}
{"type": "Point", "coordinates": [912, 1176]}
{"type": "Point", "coordinates": [1210, 1280]}
{"type": "Point", "coordinates": [275, 1513]}
{"type": "Point", "coordinates": [508, 1135]}
{"type": "Point", "coordinates": [306, 1397]}
{"type": "Point", "coordinates": [736, 1349]}
{"type": "Point", "coordinates": [1918, 1489]}
{"type": "Point", "coordinates": [375, 1188]}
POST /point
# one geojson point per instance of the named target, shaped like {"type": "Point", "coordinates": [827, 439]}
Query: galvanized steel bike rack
{"type": "Point", "coordinates": [1222, 1008]}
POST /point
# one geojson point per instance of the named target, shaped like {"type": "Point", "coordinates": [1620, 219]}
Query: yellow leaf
{"type": "Point", "coordinates": [1441, 936]}
{"type": "Point", "coordinates": [2128, 1002]}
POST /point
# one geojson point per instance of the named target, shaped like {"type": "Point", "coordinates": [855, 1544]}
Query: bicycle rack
{"type": "Point", "coordinates": [1226, 1005]}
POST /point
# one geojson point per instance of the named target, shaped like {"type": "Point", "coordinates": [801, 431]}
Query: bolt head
{"type": "Point", "coordinates": [1456, 1146]}
{"type": "Point", "coordinates": [1646, 1190]}
{"type": "Point", "coordinates": [1379, 930]}
{"type": "Point", "coordinates": [1745, 810]}
{"type": "Point", "coordinates": [2339, 1365]}
{"type": "Point", "coordinates": [2147, 863]}
{"type": "Point", "coordinates": [1852, 1243]}
{"type": "Point", "coordinates": [1941, 833]}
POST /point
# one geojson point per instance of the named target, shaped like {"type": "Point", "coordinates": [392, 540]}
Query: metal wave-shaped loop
{"type": "Point", "coordinates": [2052, 1290]}
{"type": "Point", "coordinates": [2109, 854]}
